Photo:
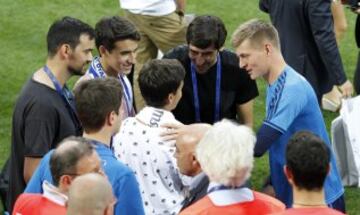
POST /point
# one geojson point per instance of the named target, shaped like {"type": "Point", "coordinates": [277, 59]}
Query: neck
{"type": "Point", "coordinates": [59, 70]}
{"type": "Point", "coordinates": [107, 69]}
{"type": "Point", "coordinates": [197, 172]}
{"type": "Point", "coordinates": [304, 198]}
{"type": "Point", "coordinates": [101, 136]}
{"type": "Point", "coordinates": [167, 107]}
{"type": "Point", "coordinates": [275, 71]}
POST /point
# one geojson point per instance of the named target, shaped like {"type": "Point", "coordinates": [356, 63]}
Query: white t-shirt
{"type": "Point", "coordinates": [140, 147]}
{"type": "Point", "coordinates": [149, 7]}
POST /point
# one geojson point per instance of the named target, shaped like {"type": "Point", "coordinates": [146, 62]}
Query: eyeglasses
{"type": "Point", "coordinates": [98, 171]}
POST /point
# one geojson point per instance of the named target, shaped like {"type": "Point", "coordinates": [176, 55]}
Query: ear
{"type": "Point", "coordinates": [65, 51]}
{"type": "Point", "coordinates": [102, 50]}
{"type": "Point", "coordinates": [65, 182]}
{"type": "Point", "coordinates": [110, 120]}
{"type": "Point", "coordinates": [328, 169]}
{"type": "Point", "coordinates": [289, 175]}
{"type": "Point", "coordinates": [268, 49]}
{"type": "Point", "coordinates": [170, 98]}
{"type": "Point", "coordinates": [194, 161]}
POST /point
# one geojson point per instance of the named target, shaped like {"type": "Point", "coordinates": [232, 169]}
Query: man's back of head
{"type": "Point", "coordinates": [74, 156]}
{"type": "Point", "coordinates": [186, 144]}
{"type": "Point", "coordinates": [90, 194]}
{"type": "Point", "coordinates": [307, 158]}
{"type": "Point", "coordinates": [233, 145]}
{"type": "Point", "coordinates": [96, 100]}
{"type": "Point", "coordinates": [159, 79]}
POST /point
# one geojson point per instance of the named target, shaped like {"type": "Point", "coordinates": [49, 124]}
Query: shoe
{"type": "Point", "coordinates": [330, 105]}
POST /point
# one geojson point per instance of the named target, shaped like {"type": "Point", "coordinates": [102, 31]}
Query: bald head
{"type": "Point", "coordinates": [67, 156]}
{"type": "Point", "coordinates": [90, 194]}
{"type": "Point", "coordinates": [185, 148]}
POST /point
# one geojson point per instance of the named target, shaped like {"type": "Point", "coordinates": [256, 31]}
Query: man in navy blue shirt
{"type": "Point", "coordinates": [98, 106]}
{"type": "Point", "coordinates": [291, 106]}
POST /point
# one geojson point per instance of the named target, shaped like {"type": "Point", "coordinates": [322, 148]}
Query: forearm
{"type": "Point", "coordinates": [30, 165]}
{"type": "Point", "coordinates": [265, 137]}
{"type": "Point", "coordinates": [245, 113]}
{"type": "Point", "coordinates": [180, 5]}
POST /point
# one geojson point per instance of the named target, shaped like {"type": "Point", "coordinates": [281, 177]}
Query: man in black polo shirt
{"type": "Point", "coordinates": [214, 85]}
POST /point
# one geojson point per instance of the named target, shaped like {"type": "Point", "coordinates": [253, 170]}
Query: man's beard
{"type": "Point", "coordinates": [76, 71]}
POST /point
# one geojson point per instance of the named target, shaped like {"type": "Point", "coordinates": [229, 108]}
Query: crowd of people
{"type": "Point", "coordinates": [177, 137]}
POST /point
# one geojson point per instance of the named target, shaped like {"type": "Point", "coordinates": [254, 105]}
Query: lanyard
{"type": "Point", "coordinates": [97, 71]}
{"type": "Point", "coordinates": [126, 96]}
{"type": "Point", "coordinates": [66, 95]}
{"type": "Point", "coordinates": [217, 91]}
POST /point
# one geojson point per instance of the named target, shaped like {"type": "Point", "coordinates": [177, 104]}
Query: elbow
{"type": "Point", "coordinates": [258, 152]}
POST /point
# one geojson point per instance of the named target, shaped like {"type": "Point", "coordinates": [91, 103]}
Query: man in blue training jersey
{"type": "Point", "coordinates": [291, 105]}
{"type": "Point", "coordinates": [98, 106]}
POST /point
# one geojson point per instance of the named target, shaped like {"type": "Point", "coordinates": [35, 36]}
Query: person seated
{"type": "Point", "coordinates": [307, 165]}
{"type": "Point", "coordinates": [74, 156]}
{"type": "Point", "coordinates": [225, 154]}
{"type": "Point", "coordinates": [139, 145]}
{"type": "Point", "coordinates": [91, 194]}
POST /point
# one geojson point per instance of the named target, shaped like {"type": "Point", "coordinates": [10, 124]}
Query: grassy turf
{"type": "Point", "coordinates": [23, 27]}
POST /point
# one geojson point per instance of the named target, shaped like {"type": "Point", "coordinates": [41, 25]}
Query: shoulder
{"type": "Point", "coordinates": [269, 200]}
{"type": "Point", "coordinates": [26, 200]}
{"type": "Point", "coordinates": [116, 169]}
{"type": "Point", "coordinates": [83, 78]}
{"type": "Point", "coordinates": [230, 62]}
{"type": "Point", "coordinates": [179, 52]}
{"type": "Point", "coordinates": [200, 207]}
{"type": "Point", "coordinates": [228, 57]}
{"type": "Point", "coordinates": [296, 83]}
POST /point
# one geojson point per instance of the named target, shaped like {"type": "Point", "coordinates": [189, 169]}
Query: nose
{"type": "Point", "coordinates": [242, 64]}
{"type": "Point", "coordinates": [132, 58]}
{"type": "Point", "coordinates": [89, 57]}
{"type": "Point", "coordinates": [199, 61]}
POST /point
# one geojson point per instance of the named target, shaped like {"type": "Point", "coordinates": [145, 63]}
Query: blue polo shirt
{"type": "Point", "coordinates": [122, 179]}
{"type": "Point", "coordinates": [291, 106]}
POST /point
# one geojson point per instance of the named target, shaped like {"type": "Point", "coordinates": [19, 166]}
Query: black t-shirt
{"type": "Point", "coordinates": [236, 88]}
{"type": "Point", "coordinates": [40, 121]}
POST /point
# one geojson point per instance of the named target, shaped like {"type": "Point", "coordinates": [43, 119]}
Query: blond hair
{"type": "Point", "coordinates": [257, 31]}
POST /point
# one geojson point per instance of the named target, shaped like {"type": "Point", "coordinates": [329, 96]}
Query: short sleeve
{"type": "Point", "coordinates": [282, 111]}
{"type": "Point", "coordinates": [40, 130]}
{"type": "Point", "coordinates": [41, 174]}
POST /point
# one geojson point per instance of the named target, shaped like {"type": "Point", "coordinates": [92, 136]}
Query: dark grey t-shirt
{"type": "Point", "coordinates": [40, 121]}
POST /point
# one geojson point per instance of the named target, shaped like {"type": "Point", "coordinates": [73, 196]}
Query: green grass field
{"type": "Point", "coordinates": [23, 28]}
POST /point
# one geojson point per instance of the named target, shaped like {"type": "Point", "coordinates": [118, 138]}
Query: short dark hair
{"type": "Point", "coordinates": [67, 31]}
{"type": "Point", "coordinates": [308, 157]}
{"type": "Point", "coordinates": [109, 30]}
{"type": "Point", "coordinates": [95, 99]}
{"type": "Point", "coordinates": [205, 31]}
{"type": "Point", "coordinates": [64, 160]}
{"type": "Point", "coordinates": [159, 78]}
